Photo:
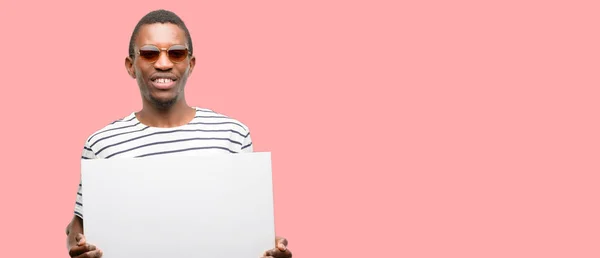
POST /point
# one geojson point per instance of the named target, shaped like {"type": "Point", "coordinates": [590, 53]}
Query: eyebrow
{"type": "Point", "coordinates": [150, 45]}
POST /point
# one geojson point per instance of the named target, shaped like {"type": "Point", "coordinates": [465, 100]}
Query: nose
{"type": "Point", "coordinates": [163, 62]}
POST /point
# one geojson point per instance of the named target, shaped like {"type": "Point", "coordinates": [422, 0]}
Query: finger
{"type": "Point", "coordinates": [281, 247]}
{"type": "Point", "coordinates": [98, 254]}
{"type": "Point", "coordinates": [269, 253]}
{"type": "Point", "coordinates": [79, 250]}
{"type": "Point", "coordinates": [281, 241]}
{"type": "Point", "coordinates": [276, 253]}
{"type": "Point", "coordinates": [80, 238]}
{"type": "Point", "coordinates": [92, 254]}
{"type": "Point", "coordinates": [282, 244]}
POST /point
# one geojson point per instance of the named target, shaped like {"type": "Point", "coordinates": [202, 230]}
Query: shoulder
{"type": "Point", "coordinates": [240, 131]}
{"type": "Point", "coordinates": [124, 122]}
{"type": "Point", "coordinates": [212, 117]}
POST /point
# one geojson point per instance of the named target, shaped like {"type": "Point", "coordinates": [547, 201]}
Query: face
{"type": "Point", "coordinates": [161, 79]}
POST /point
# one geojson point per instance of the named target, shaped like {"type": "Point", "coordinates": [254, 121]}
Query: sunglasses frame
{"type": "Point", "coordinates": [166, 50]}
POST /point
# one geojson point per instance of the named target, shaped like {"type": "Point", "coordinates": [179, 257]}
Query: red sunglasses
{"type": "Point", "coordinates": [176, 53]}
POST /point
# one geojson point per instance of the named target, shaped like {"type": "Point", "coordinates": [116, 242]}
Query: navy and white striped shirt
{"type": "Point", "coordinates": [209, 132]}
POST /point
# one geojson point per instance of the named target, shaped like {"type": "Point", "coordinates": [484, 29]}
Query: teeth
{"type": "Point", "coordinates": [163, 80]}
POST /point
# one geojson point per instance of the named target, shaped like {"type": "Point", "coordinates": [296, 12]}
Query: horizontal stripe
{"type": "Point", "coordinates": [164, 132]}
{"type": "Point", "coordinates": [123, 120]}
{"type": "Point", "coordinates": [78, 214]}
{"type": "Point", "coordinates": [250, 144]}
{"type": "Point", "coordinates": [84, 157]}
{"type": "Point", "coordinates": [182, 150]}
{"type": "Point", "coordinates": [112, 129]}
{"type": "Point", "coordinates": [172, 141]}
{"type": "Point", "coordinates": [200, 116]}
{"type": "Point", "coordinates": [79, 194]}
{"type": "Point", "coordinates": [78, 203]}
{"type": "Point", "coordinates": [216, 123]}
{"type": "Point", "coordinates": [114, 135]}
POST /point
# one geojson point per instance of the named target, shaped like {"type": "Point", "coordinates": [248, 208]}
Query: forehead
{"type": "Point", "coordinates": [161, 35]}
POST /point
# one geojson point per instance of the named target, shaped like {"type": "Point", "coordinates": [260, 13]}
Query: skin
{"type": "Point", "coordinates": [160, 108]}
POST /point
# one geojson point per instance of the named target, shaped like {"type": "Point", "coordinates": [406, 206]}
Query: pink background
{"type": "Point", "coordinates": [429, 129]}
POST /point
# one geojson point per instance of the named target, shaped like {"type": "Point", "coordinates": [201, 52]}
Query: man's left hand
{"type": "Point", "coordinates": [280, 250]}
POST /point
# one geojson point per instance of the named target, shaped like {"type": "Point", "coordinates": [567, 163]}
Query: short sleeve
{"type": "Point", "coordinates": [87, 153]}
{"type": "Point", "coordinates": [247, 144]}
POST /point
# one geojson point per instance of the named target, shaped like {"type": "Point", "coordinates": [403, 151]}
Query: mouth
{"type": "Point", "coordinates": [163, 82]}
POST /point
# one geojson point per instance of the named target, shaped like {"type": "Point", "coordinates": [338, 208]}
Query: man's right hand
{"type": "Point", "coordinates": [84, 250]}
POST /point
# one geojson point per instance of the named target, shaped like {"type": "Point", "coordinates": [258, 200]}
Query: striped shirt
{"type": "Point", "coordinates": [209, 132]}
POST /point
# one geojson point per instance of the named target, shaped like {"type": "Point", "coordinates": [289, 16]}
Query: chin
{"type": "Point", "coordinates": [162, 103]}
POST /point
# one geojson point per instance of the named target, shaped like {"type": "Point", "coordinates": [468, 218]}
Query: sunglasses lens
{"type": "Point", "coordinates": [149, 54]}
{"type": "Point", "coordinates": [177, 55]}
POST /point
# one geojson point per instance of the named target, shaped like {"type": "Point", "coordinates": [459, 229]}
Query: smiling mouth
{"type": "Point", "coordinates": [163, 83]}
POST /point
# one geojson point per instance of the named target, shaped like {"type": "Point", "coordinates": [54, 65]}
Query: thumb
{"type": "Point", "coordinates": [281, 247]}
{"type": "Point", "coordinates": [281, 244]}
{"type": "Point", "coordinates": [80, 238]}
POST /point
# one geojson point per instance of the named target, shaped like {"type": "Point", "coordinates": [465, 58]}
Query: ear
{"type": "Point", "coordinates": [129, 67]}
{"type": "Point", "coordinates": [192, 64]}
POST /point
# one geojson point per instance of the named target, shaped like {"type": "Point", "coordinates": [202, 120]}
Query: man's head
{"type": "Point", "coordinates": [160, 58]}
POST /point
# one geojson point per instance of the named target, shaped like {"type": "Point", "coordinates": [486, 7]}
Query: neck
{"type": "Point", "coordinates": [176, 115]}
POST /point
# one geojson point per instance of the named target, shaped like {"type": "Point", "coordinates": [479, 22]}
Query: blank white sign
{"type": "Point", "coordinates": [204, 206]}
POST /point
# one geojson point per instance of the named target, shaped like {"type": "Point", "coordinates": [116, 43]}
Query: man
{"type": "Point", "coordinates": [161, 59]}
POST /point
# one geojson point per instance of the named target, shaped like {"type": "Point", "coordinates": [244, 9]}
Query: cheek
{"type": "Point", "coordinates": [142, 68]}
{"type": "Point", "coordinates": [183, 68]}
{"type": "Point", "coordinates": [139, 77]}
{"type": "Point", "coordinates": [140, 73]}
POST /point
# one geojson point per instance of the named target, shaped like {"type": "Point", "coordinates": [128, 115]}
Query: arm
{"type": "Point", "coordinates": [280, 250]}
{"type": "Point", "coordinates": [76, 242]}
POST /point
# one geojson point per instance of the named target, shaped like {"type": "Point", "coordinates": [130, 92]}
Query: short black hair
{"type": "Point", "coordinates": [159, 16]}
